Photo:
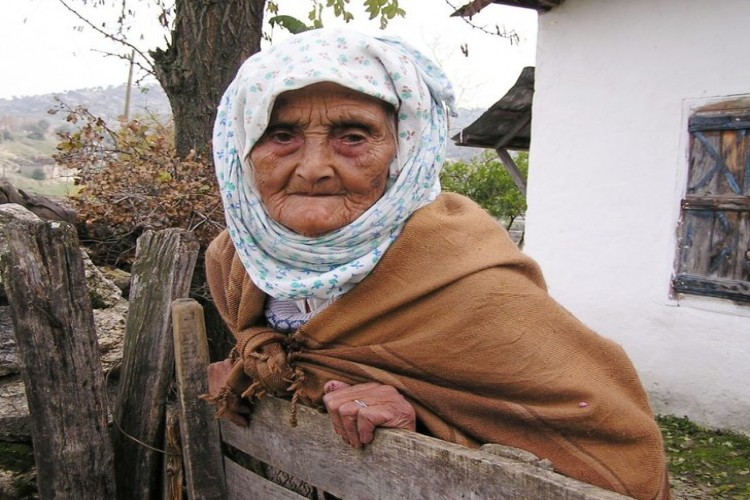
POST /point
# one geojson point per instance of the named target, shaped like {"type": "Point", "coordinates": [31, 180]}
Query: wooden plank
{"type": "Point", "coordinates": [742, 268]}
{"type": "Point", "coordinates": [731, 149]}
{"type": "Point", "coordinates": [728, 120]}
{"type": "Point", "coordinates": [53, 322]}
{"type": "Point", "coordinates": [519, 124]}
{"type": "Point", "coordinates": [199, 429]}
{"type": "Point", "coordinates": [722, 250]}
{"type": "Point", "coordinates": [174, 476]}
{"type": "Point", "coordinates": [696, 228]}
{"type": "Point", "coordinates": [398, 464]}
{"type": "Point", "coordinates": [712, 245]}
{"type": "Point", "coordinates": [735, 146]}
{"type": "Point", "coordinates": [243, 484]}
{"type": "Point", "coordinates": [712, 287]}
{"type": "Point", "coordinates": [703, 168]}
{"type": "Point", "coordinates": [720, 181]}
{"type": "Point", "coordinates": [512, 169]}
{"type": "Point", "coordinates": [737, 203]}
{"type": "Point", "coordinates": [161, 273]}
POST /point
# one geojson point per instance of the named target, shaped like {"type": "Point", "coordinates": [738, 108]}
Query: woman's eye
{"type": "Point", "coordinates": [282, 137]}
{"type": "Point", "coordinates": [353, 138]}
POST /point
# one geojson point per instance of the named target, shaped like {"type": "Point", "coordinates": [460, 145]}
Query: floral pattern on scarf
{"type": "Point", "coordinates": [290, 266]}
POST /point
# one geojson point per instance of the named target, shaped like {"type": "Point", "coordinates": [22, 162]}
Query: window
{"type": "Point", "coordinates": [714, 232]}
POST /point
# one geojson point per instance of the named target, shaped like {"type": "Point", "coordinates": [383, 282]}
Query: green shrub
{"type": "Point", "coordinates": [485, 180]}
{"type": "Point", "coordinates": [38, 174]}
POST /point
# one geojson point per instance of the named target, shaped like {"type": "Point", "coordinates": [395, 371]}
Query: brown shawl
{"type": "Point", "coordinates": [459, 321]}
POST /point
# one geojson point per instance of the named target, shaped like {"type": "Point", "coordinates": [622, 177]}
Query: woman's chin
{"type": "Point", "coordinates": [314, 227]}
{"type": "Point", "coordinates": [317, 218]}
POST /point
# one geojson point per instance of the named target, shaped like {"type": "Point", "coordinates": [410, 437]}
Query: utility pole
{"type": "Point", "coordinates": [128, 89]}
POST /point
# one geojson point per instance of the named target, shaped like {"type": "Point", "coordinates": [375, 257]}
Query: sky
{"type": "Point", "coordinates": [45, 48]}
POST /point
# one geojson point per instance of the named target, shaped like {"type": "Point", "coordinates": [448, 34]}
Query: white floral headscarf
{"type": "Point", "coordinates": [287, 265]}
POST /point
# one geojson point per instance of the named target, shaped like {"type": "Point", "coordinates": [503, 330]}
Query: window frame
{"type": "Point", "coordinates": [694, 275]}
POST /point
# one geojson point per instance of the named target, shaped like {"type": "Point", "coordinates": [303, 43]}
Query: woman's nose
{"type": "Point", "coordinates": [316, 161]}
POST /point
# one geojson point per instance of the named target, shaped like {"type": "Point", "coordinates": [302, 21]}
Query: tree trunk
{"type": "Point", "coordinates": [210, 41]}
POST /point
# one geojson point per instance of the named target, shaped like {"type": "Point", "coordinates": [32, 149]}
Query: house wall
{"type": "Point", "coordinates": [615, 83]}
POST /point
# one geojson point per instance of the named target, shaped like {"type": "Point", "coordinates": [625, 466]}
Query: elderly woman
{"type": "Point", "coordinates": [351, 282]}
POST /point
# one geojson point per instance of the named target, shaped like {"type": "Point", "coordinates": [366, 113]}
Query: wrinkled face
{"type": "Point", "coordinates": [323, 159]}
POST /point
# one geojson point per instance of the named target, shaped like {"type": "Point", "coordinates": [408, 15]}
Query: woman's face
{"type": "Point", "coordinates": [324, 157]}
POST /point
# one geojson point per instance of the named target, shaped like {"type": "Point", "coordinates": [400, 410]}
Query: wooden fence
{"type": "Point", "coordinates": [165, 442]}
{"type": "Point", "coordinates": [398, 464]}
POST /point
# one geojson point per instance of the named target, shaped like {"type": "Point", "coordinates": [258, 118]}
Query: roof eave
{"type": "Point", "coordinates": [475, 6]}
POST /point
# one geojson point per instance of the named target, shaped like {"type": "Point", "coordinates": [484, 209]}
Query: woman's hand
{"type": "Point", "coordinates": [356, 410]}
{"type": "Point", "coordinates": [218, 373]}
{"type": "Point", "coordinates": [233, 409]}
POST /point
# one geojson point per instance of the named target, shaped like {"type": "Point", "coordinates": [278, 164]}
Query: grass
{"type": "Point", "coordinates": [61, 188]}
{"type": "Point", "coordinates": [25, 147]}
{"type": "Point", "coordinates": [16, 457]}
{"type": "Point", "coordinates": [25, 152]}
{"type": "Point", "coordinates": [718, 461]}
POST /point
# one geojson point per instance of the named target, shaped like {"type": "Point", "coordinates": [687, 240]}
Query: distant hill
{"type": "Point", "coordinates": [107, 102]}
{"type": "Point", "coordinates": [23, 113]}
{"type": "Point", "coordinates": [464, 119]}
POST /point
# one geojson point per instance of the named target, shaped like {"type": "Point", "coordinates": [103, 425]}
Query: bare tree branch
{"type": "Point", "coordinates": [117, 39]}
{"type": "Point", "coordinates": [146, 69]}
{"type": "Point", "coordinates": [511, 35]}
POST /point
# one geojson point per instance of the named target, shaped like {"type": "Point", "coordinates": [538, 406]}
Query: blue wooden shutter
{"type": "Point", "coordinates": [714, 233]}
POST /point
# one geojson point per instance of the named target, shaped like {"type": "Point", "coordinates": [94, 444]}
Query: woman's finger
{"type": "Point", "coordinates": [349, 412]}
{"type": "Point", "coordinates": [357, 410]}
{"type": "Point", "coordinates": [334, 385]}
{"type": "Point", "coordinates": [366, 423]}
{"type": "Point", "coordinates": [332, 402]}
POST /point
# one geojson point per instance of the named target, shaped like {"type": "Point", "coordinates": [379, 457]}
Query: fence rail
{"type": "Point", "coordinates": [398, 464]}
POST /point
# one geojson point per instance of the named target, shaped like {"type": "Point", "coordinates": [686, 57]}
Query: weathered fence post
{"type": "Point", "coordinates": [162, 272]}
{"type": "Point", "coordinates": [174, 472]}
{"type": "Point", "coordinates": [44, 279]}
{"type": "Point", "coordinates": [201, 442]}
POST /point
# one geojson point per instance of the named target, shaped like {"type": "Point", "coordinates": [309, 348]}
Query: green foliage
{"type": "Point", "coordinates": [339, 9]}
{"type": "Point", "coordinates": [717, 459]}
{"type": "Point", "coordinates": [38, 130]}
{"type": "Point", "coordinates": [17, 457]}
{"type": "Point", "coordinates": [289, 23]}
{"type": "Point", "coordinates": [485, 180]}
{"type": "Point", "coordinates": [42, 126]}
{"type": "Point", "coordinates": [386, 10]}
{"type": "Point", "coordinates": [38, 174]}
{"type": "Point", "coordinates": [64, 129]}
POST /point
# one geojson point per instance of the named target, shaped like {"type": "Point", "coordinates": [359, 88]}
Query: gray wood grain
{"type": "Point", "coordinates": [161, 273]}
{"type": "Point", "coordinates": [43, 273]}
{"type": "Point", "coordinates": [398, 464]}
{"type": "Point", "coordinates": [245, 484]}
{"type": "Point", "coordinates": [199, 430]}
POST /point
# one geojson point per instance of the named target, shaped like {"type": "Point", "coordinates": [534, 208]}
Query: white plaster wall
{"type": "Point", "coordinates": [615, 82]}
